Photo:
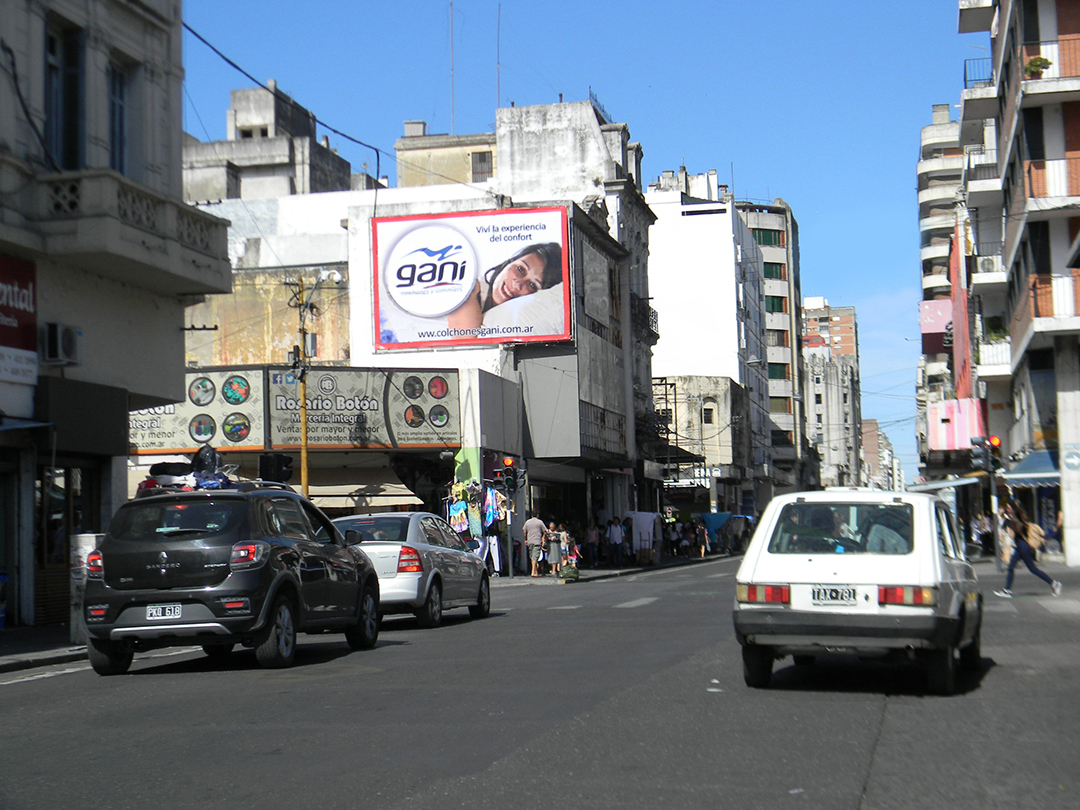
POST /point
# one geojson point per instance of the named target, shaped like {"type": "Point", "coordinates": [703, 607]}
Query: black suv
{"type": "Point", "coordinates": [251, 566]}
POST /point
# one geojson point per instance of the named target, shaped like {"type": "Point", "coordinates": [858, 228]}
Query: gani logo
{"type": "Point", "coordinates": [431, 270]}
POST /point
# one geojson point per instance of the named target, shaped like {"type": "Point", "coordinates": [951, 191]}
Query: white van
{"type": "Point", "coordinates": [858, 572]}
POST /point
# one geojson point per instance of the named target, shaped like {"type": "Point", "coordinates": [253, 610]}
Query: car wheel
{"type": "Point", "coordinates": [430, 614]}
{"type": "Point", "coordinates": [364, 634]}
{"type": "Point", "coordinates": [276, 646]}
{"type": "Point", "coordinates": [482, 608]}
{"type": "Point", "coordinates": [757, 665]}
{"type": "Point", "coordinates": [971, 655]}
{"type": "Point", "coordinates": [218, 650]}
{"type": "Point", "coordinates": [941, 671]}
{"type": "Point", "coordinates": [803, 660]}
{"type": "Point", "coordinates": [108, 657]}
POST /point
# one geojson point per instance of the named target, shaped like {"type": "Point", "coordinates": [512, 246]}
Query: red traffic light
{"type": "Point", "coordinates": [993, 441]}
{"type": "Point", "coordinates": [508, 461]}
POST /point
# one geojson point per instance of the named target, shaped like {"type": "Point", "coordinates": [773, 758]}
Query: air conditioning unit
{"type": "Point", "coordinates": [59, 345]}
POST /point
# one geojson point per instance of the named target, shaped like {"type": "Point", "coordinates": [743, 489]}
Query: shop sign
{"type": "Point", "coordinates": [224, 409]}
{"type": "Point", "coordinates": [18, 321]}
{"type": "Point", "coordinates": [366, 408]}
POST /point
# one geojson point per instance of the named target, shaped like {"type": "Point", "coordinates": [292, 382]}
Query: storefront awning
{"type": "Point", "coordinates": [358, 488]}
{"type": "Point", "coordinates": [1038, 469]}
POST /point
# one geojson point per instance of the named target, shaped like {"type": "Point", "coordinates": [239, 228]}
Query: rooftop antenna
{"type": "Point", "coordinates": [451, 67]}
{"type": "Point", "coordinates": [498, 58]}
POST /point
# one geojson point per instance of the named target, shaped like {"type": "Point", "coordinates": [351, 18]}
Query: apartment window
{"type": "Point", "coordinates": [776, 338]}
{"type": "Point", "coordinates": [768, 236]}
{"type": "Point", "coordinates": [775, 270]}
{"type": "Point", "coordinates": [817, 397]}
{"type": "Point", "coordinates": [778, 405]}
{"type": "Point", "coordinates": [775, 303]}
{"type": "Point", "coordinates": [118, 119]}
{"type": "Point", "coordinates": [64, 79]}
{"type": "Point", "coordinates": [482, 166]}
{"type": "Point", "coordinates": [782, 438]}
{"type": "Point", "coordinates": [707, 416]}
{"type": "Point", "coordinates": [819, 419]}
{"type": "Point", "coordinates": [778, 371]}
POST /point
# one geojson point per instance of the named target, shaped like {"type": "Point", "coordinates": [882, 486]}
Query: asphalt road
{"type": "Point", "coordinates": [623, 693]}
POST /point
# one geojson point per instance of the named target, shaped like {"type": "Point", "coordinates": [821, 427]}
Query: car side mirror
{"type": "Point", "coordinates": [472, 545]}
{"type": "Point", "coordinates": [353, 537]}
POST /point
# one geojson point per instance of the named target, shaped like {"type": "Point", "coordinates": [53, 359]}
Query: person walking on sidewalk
{"type": "Point", "coordinates": [1027, 537]}
{"type": "Point", "coordinates": [534, 538]}
{"type": "Point", "coordinates": [615, 536]}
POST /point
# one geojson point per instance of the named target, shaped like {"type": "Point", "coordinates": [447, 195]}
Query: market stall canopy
{"type": "Point", "coordinates": [1038, 469]}
{"type": "Point", "coordinates": [359, 488]}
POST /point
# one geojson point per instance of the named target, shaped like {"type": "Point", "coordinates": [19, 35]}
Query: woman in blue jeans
{"type": "Point", "coordinates": [1016, 523]}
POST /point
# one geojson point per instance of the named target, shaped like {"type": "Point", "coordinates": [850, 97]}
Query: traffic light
{"type": "Point", "coordinates": [994, 446]}
{"type": "Point", "coordinates": [509, 475]}
{"type": "Point", "coordinates": [498, 480]}
{"type": "Point", "coordinates": [982, 457]}
{"type": "Point", "coordinates": [275, 467]}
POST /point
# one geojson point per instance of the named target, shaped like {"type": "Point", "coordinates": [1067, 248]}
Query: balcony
{"type": "Point", "coordinates": [994, 359]}
{"type": "Point", "coordinates": [644, 319]}
{"type": "Point", "coordinates": [975, 16]}
{"type": "Point", "coordinates": [982, 179]}
{"type": "Point", "coordinates": [1052, 180]}
{"type": "Point", "coordinates": [1048, 307]}
{"type": "Point", "coordinates": [935, 281]}
{"type": "Point", "coordinates": [102, 222]}
{"type": "Point", "coordinates": [930, 252]}
{"type": "Point", "coordinates": [988, 273]}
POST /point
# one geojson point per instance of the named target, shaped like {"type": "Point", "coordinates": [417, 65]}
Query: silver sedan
{"type": "Point", "coordinates": [424, 567]}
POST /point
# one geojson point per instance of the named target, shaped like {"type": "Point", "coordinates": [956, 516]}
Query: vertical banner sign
{"type": "Point", "coordinates": [18, 321]}
{"type": "Point", "coordinates": [367, 408]}
{"type": "Point", "coordinates": [471, 279]}
{"type": "Point", "coordinates": [223, 409]}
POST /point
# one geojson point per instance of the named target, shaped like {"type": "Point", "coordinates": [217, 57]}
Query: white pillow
{"type": "Point", "coordinates": [543, 311]}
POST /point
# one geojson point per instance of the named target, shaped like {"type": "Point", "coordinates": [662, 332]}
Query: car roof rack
{"type": "Point", "coordinates": [249, 486]}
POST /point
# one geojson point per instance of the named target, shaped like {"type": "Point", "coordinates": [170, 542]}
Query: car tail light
{"type": "Point", "coordinates": [95, 565]}
{"type": "Point", "coordinates": [247, 555]}
{"type": "Point", "coordinates": [236, 604]}
{"type": "Point", "coordinates": [409, 561]}
{"type": "Point", "coordinates": [906, 595]}
{"type": "Point", "coordinates": [96, 613]}
{"type": "Point", "coordinates": [778, 594]}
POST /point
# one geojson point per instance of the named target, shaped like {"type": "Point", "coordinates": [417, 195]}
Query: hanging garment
{"type": "Point", "coordinates": [494, 549]}
{"type": "Point", "coordinates": [459, 519]}
{"type": "Point", "coordinates": [475, 529]}
{"type": "Point", "coordinates": [490, 508]}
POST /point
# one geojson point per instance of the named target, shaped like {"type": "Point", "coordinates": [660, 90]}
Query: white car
{"type": "Point", "coordinates": [424, 567]}
{"type": "Point", "coordinates": [861, 573]}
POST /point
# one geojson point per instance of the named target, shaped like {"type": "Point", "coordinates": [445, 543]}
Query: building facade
{"type": "Point", "coordinates": [98, 256]}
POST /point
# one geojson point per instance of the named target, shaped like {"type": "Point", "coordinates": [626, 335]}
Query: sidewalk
{"type": "Point", "coordinates": [29, 647]}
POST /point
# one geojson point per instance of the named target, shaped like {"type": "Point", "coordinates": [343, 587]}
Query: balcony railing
{"type": "Point", "coordinates": [993, 353]}
{"type": "Point", "coordinates": [644, 318]}
{"type": "Point", "coordinates": [981, 164]}
{"type": "Point", "coordinates": [1063, 54]}
{"type": "Point", "coordinates": [1044, 296]}
{"type": "Point", "coordinates": [978, 72]}
{"type": "Point", "coordinates": [1052, 178]}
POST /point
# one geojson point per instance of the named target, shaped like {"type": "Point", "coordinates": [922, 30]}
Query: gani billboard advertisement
{"type": "Point", "coordinates": [469, 279]}
{"type": "Point", "coordinates": [18, 321]}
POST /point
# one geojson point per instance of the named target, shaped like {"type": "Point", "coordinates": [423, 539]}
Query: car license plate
{"type": "Point", "coordinates": [162, 612]}
{"type": "Point", "coordinates": [833, 595]}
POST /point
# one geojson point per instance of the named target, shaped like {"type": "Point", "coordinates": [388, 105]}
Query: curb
{"type": "Point", "coordinates": [14, 663]}
{"type": "Point", "coordinates": [506, 582]}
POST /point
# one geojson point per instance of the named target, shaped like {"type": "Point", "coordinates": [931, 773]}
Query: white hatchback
{"type": "Point", "coordinates": [867, 573]}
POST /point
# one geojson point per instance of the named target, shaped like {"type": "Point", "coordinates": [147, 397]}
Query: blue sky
{"type": "Point", "coordinates": [818, 103]}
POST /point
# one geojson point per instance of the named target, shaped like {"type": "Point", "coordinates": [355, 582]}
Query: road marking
{"type": "Point", "coordinates": [718, 576]}
{"type": "Point", "coordinates": [648, 600]}
{"type": "Point", "coordinates": [1062, 606]}
{"type": "Point", "coordinates": [565, 607]}
{"type": "Point", "coordinates": [42, 675]}
{"type": "Point", "coordinates": [999, 607]}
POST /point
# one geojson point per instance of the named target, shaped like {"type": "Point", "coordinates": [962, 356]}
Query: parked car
{"type": "Point", "coordinates": [863, 573]}
{"type": "Point", "coordinates": [424, 567]}
{"type": "Point", "coordinates": [251, 565]}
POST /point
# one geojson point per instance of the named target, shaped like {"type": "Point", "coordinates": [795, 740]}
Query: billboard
{"type": "Point", "coordinates": [18, 321]}
{"type": "Point", "coordinates": [223, 409]}
{"type": "Point", "coordinates": [366, 408]}
{"type": "Point", "coordinates": [470, 279]}
{"type": "Point", "coordinates": [257, 409]}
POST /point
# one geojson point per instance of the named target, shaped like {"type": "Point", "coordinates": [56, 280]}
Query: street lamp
{"type": "Point", "coordinates": [300, 359]}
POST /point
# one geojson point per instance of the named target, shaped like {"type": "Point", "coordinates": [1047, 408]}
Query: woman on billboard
{"type": "Point", "coordinates": [533, 268]}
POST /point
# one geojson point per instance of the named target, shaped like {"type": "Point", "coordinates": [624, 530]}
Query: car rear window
{"type": "Point", "coordinates": [843, 528]}
{"type": "Point", "coordinates": [145, 521]}
{"type": "Point", "coordinates": [393, 529]}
